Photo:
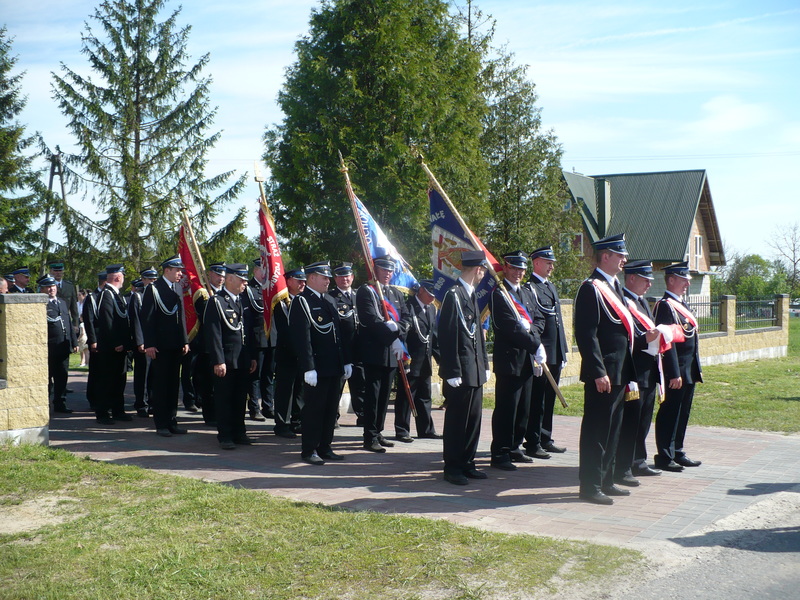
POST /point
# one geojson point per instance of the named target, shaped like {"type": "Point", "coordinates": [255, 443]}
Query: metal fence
{"type": "Point", "coordinates": [753, 314]}
{"type": "Point", "coordinates": [707, 312]}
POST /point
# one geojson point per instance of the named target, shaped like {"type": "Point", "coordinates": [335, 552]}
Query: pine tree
{"type": "Point", "coordinates": [371, 77]}
{"type": "Point", "coordinates": [141, 121]}
{"type": "Point", "coordinates": [19, 202]}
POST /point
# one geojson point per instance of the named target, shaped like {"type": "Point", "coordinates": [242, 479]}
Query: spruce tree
{"type": "Point", "coordinates": [141, 120]}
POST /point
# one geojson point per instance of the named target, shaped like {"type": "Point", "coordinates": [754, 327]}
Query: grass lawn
{"type": "Point", "coordinates": [119, 532]}
{"type": "Point", "coordinates": [759, 394]}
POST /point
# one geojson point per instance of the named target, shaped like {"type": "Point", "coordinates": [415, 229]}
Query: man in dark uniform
{"type": "Point", "coordinates": [202, 371]}
{"type": "Point", "coordinates": [113, 335]}
{"type": "Point", "coordinates": [345, 299]}
{"type": "Point", "coordinates": [165, 343]}
{"type": "Point", "coordinates": [315, 332]}
{"type": "Point", "coordinates": [288, 377]}
{"type": "Point", "coordinates": [539, 435]}
{"type": "Point", "coordinates": [638, 412]}
{"type": "Point", "coordinates": [681, 370]}
{"type": "Point", "coordinates": [22, 277]}
{"type": "Point", "coordinates": [464, 366]}
{"type": "Point", "coordinates": [517, 326]}
{"type": "Point", "coordinates": [89, 318]}
{"type": "Point", "coordinates": [422, 345]}
{"type": "Point", "coordinates": [606, 336]}
{"type": "Point", "coordinates": [260, 400]}
{"type": "Point", "coordinates": [61, 341]}
{"type": "Point", "coordinates": [138, 356]}
{"type": "Point", "coordinates": [380, 348]}
{"type": "Point", "coordinates": [66, 291]}
{"type": "Point", "coordinates": [227, 326]}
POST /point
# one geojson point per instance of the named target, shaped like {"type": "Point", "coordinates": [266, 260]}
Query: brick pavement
{"type": "Point", "coordinates": [739, 469]}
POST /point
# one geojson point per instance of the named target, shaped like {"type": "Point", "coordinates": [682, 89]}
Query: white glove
{"type": "Point", "coordinates": [454, 382]}
{"type": "Point", "coordinates": [310, 377]}
{"type": "Point", "coordinates": [541, 355]}
{"type": "Point", "coordinates": [488, 374]}
{"type": "Point", "coordinates": [397, 349]}
{"type": "Point", "coordinates": [526, 325]}
{"type": "Point", "coordinates": [563, 364]}
{"type": "Point", "coordinates": [348, 371]}
{"type": "Point", "coordinates": [538, 370]}
{"type": "Point", "coordinates": [391, 325]}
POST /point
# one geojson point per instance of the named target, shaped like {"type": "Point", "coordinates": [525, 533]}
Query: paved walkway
{"type": "Point", "coordinates": [739, 469]}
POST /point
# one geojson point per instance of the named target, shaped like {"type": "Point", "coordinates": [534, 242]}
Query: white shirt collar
{"type": "Point", "coordinates": [470, 289]}
{"type": "Point", "coordinates": [350, 291]}
{"type": "Point", "coordinates": [539, 277]}
{"type": "Point", "coordinates": [610, 278]}
{"type": "Point", "coordinates": [512, 286]}
{"type": "Point", "coordinates": [315, 292]}
{"type": "Point", "coordinates": [678, 298]}
{"type": "Point", "coordinates": [230, 293]}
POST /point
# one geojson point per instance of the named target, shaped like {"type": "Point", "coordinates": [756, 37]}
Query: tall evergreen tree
{"type": "Point", "coordinates": [371, 77]}
{"type": "Point", "coordinates": [142, 123]}
{"type": "Point", "coordinates": [19, 202]}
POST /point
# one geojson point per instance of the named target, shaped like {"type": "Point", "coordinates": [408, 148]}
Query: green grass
{"type": "Point", "coordinates": [129, 533]}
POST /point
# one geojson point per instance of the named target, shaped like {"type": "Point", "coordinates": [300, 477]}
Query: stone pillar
{"type": "Point", "coordinates": [727, 315]}
{"type": "Point", "coordinates": [24, 402]}
{"type": "Point", "coordinates": [782, 311]}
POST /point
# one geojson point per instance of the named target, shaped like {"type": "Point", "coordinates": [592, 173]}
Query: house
{"type": "Point", "coordinates": [666, 217]}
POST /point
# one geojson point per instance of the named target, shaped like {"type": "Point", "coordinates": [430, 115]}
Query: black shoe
{"type": "Point", "coordinates": [285, 433]}
{"type": "Point", "coordinates": [504, 465]}
{"type": "Point", "coordinates": [177, 430]}
{"type": "Point", "coordinates": [474, 473]}
{"type": "Point", "coordinates": [141, 412]}
{"type": "Point", "coordinates": [671, 466]}
{"type": "Point", "coordinates": [210, 423]}
{"type": "Point", "coordinates": [331, 455]}
{"type": "Point", "coordinates": [268, 413]}
{"type": "Point", "coordinates": [553, 449]}
{"type": "Point", "coordinates": [374, 446]}
{"type": "Point", "coordinates": [685, 461]}
{"type": "Point", "coordinates": [538, 453]}
{"type": "Point", "coordinates": [164, 432]}
{"type": "Point", "coordinates": [257, 416]}
{"type": "Point", "coordinates": [227, 445]}
{"type": "Point", "coordinates": [645, 471]}
{"type": "Point", "coordinates": [520, 458]}
{"type": "Point", "coordinates": [192, 408]}
{"type": "Point", "coordinates": [105, 420]}
{"type": "Point", "coordinates": [385, 443]}
{"type": "Point", "coordinates": [406, 439]}
{"type": "Point", "coordinates": [69, 391]}
{"type": "Point", "coordinates": [615, 491]}
{"type": "Point", "coordinates": [596, 498]}
{"type": "Point", "coordinates": [123, 417]}
{"type": "Point", "coordinates": [628, 480]}
{"type": "Point", "coordinates": [456, 478]}
{"type": "Point", "coordinates": [314, 459]}
{"type": "Point", "coordinates": [62, 408]}
{"type": "Point", "coordinates": [431, 436]}
{"type": "Point", "coordinates": [244, 441]}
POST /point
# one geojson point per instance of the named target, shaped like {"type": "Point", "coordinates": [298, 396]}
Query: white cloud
{"type": "Point", "coordinates": [728, 114]}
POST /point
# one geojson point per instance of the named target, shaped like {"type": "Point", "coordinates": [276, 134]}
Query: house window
{"type": "Point", "coordinates": [698, 250]}
{"type": "Point", "coordinates": [572, 242]}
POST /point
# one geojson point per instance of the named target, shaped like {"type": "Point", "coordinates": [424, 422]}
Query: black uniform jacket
{"type": "Point", "coordinates": [421, 340]}
{"type": "Point", "coordinates": [683, 359]}
{"type": "Point", "coordinates": [316, 335]}
{"type": "Point", "coordinates": [514, 344]}
{"type": "Point", "coordinates": [59, 325]}
{"type": "Point", "coordinates": [549, 304]}
{"type": "Point", "coordinates": [69, 294]}
{"type": "Point", "coordinates": [112, 328]}
{"type": "Point", "coordinates": [284, 349]}
{"type": "Point", "coordinates": [254, 301]}
{"type": "Point", "coordinates": [135, 318]}
{"type": "Point", "coordinates": [226, 327]}
{"type": "Point", "coordinates": [162, 320]}
{"type": "Point", "coordinates": [602, 338]}
{"type": "Point", "coordinates": [646, 364]}
{"type": "Point", "coordinates": [90, 316]}
{"type": "Point", "coordinates": [348, 319]}
{"type": "Point", "coordinates": [374, 338]}
{"type": "Point", "coordinates": [462, 350]}
{"type": "Point", "coordinates": [198, 343]}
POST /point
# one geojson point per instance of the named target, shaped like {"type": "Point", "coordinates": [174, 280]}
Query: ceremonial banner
{"type": "Point", "coordinates": [449, 241]}
{"type": "Point", "coordinates": [190, 283]}
{"type": "Point", "coordinates": [274, 288]}
{"type": "Point", "coordinates": [379, 245]}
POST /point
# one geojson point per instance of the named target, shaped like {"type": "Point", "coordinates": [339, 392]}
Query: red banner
{"type": "Point", "coordinates": [274, 288]}
{"type": "Point", "coordinates": [191, 285]}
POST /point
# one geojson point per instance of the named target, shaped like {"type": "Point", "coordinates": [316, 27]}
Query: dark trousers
{"type": "Point", "coordinates": [230, 403]}
{"type": "Point", "coordinates": [141, 387]}
{"type": "Point", "coordinates": [356, 386]}
{"type": "Point", "coordinates": [57, 372]}
{"type": "Point", "coordinates": [648, 397]}
{"type": "Point", "coordinates": [511, 413]}
{"type": "Point", "coordinates": [539, 432]}
{"type": "Point", "coordinates": [671, 422]}
{"type": "Point", "coordinates": [462, 427]}
{"type": "Point", "coordinates": [165, 372]}
{"type": "Point", "coordinates": [602, 419]}
{"type": "Point", "coordinates": [203, 383]}
{"type": "Point", "coordinates": [377, 387]}
{"type": "Point", "coordinates": [262, 382]}
{"type": "Point", "coordinates": [421, 394]}
{"type": "Point", "coordinates": [288, 396]}
{"type": "Point", "coordinates": [189, 397]}
{"type": "Point", "coordinates": [91, 379]}
{"type": "Point", "coordinates": [631, 416]}
{"type": "Point", "coordinates": [111, 377]}
{"type": "Point", "coordinates": [320, 406]}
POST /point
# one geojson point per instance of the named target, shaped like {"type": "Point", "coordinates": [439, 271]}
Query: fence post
{"type": "Point", "coordinates": [782, 310]}
{"type": "Point", "coordinates": [727, 314]}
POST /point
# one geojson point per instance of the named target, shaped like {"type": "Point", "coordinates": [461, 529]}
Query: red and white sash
{"type": "Point", "coordinates": [685, 312]}
{"type": "Point", "coordinates": [617, 306]}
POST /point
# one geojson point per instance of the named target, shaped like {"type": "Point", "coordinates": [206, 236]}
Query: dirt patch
{"type": "Point", "coordinates": [35, 514]}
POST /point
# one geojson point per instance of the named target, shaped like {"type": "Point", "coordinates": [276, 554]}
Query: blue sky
{"type": "Point", "coordinates": [626, 86]}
